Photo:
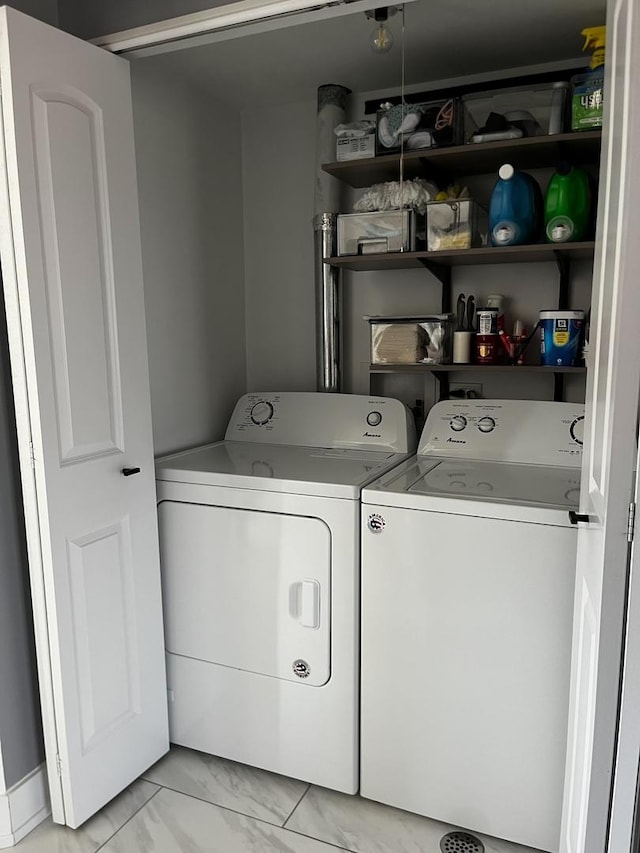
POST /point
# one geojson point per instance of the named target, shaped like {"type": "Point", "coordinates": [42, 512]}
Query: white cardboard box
{"type": "Point", "coordinates": [356, 148]}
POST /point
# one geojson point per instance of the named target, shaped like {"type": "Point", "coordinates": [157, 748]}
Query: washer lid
{"type": "Point", "coordinates": [526, 485]}
{"type": "Point", "coordinates": [327, 472]}
{"type": "Point", "coordinates": [518, 492]}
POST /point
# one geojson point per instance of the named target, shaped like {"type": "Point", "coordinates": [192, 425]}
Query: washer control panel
{"type": "Point", "coordinates": [323, 420]}
{"type": "Point", "coordinates": [526, 431]}
{"type": "Point", "coordinates": [262, 412]}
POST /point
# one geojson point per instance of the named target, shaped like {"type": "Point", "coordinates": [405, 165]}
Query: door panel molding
{"type": "Point", "coordinates": [75, 247]}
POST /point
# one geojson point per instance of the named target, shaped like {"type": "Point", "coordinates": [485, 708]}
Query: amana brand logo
{"type": "Point", "coordinates": [371, 435]}
{"type": "Point", "coordinates": [456, 441]}
{"type": "Point", "coordinates": [301, 668]}
{"type": "Point", "coordinates": [376, 523]}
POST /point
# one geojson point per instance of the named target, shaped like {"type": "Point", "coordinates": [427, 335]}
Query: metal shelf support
{"type": "Point", "coordinates": [443, 384]}
{"type": "Point", "coordinates": [443, 274]}
{"type": "Point", "coordinates": [564, 268]}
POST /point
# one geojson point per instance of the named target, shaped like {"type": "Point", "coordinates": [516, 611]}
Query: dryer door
{"type": "Point", "coordinates": [247, 589]}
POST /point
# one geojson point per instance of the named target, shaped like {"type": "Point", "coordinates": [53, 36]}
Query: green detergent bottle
{"type": "Point", "coordinates": [567, 205]}
{"type": "Point", "coordinates": [587, 90]}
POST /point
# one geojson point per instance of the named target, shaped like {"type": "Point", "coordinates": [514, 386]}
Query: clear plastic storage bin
{"type": "Point", "coordinates": [411, 339]}
{"type": "Point", "coordinates": [536, 110]}
{"type": "Point", "coordinates": [382, 231]}
{"type": "Point", "coordinates": [429, 124]}
{"type": "Point", "coordinates": [456, 224]}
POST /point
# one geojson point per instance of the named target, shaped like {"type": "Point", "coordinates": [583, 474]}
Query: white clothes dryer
{"type": "Point", "coordinates": [468, 567]}
{"type": "Point", "coordinates": [260, 555]}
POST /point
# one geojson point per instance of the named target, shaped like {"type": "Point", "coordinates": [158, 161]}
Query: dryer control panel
{"type": "Point", "coordinates": [323, 420]}
{"type": "Point", "coordinates": [525, 431]}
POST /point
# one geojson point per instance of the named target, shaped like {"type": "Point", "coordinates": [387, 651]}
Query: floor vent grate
{"type": "Point", "coordinates": [461, 842]}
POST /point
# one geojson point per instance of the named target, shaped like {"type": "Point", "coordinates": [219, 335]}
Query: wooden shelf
{"type": "Point", "coordinates": [533, 153]}
{"type": "Point", "coordinates": [466, 368]}
{"type": "Point", "coordinates": [538, 253]}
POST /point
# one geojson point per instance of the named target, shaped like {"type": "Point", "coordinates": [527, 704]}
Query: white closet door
{"type": "Point", "coordinates": [72, 272]}
{"type": "Point", "coordinates": [609, 451]}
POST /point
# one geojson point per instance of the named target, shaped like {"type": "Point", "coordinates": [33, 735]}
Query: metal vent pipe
{"type": "Point", "coordinates": [332, 102]}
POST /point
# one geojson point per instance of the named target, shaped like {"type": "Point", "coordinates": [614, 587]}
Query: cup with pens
{"type": "Point", "coordinates": [480, 336]}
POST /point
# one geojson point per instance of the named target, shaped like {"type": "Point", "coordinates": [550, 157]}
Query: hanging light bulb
{"type": "Point", "coordinates": [381, 38]}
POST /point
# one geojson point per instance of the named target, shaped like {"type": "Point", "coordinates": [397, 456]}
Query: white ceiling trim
{"type": "Point", "coordinates": [222, 17]}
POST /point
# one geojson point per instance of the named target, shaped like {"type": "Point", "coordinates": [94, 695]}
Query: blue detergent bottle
{"type": "Point", "coordinates": [515, 210]}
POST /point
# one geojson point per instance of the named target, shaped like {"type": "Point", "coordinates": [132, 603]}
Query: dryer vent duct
{"type": "Point", "coordinates": [332, 101]}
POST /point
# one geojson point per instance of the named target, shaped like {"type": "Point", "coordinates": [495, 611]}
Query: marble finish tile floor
{"type": "Point", "coordinates": [194, 803]}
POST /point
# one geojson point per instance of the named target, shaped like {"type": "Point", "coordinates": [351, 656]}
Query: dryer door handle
{"type": "Point", "coordinates": [310, 604]}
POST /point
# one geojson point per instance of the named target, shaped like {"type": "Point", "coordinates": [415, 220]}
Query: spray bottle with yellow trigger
{"type": "Point", "coordinates": [587, 90]}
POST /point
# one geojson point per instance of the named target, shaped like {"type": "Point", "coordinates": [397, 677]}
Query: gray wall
{"type": "Point", "coordinates": [278, 169]}
{"type": "Point", "coordinates": [92, 18]}
{"type": "Point", "coordinates": [44, 10]}
{"type": "Point", "coordinates": [20, 727]}
{"type": "Point", "coordinates": [189, 180]}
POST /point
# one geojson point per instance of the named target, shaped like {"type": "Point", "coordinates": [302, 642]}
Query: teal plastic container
{"type": "Point", "coordinates": [515, 210]}
{"type": "Point", "coordinates": [567, 205]}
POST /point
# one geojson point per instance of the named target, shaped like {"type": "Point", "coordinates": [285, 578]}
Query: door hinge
{"type": "Point", "coordinates": [32, 455]}
{"type": "Point", "coordinates": [631, 522]}
{"type": "Point", "coordinates": [58, 765]}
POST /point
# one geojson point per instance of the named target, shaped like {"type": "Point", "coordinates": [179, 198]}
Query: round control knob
{"type": "Point", "coordinates": [576, 430]}
{"type": "Point", "coordinates": [458, 423]}
{"type": "Point", "coordinates": [486, 424]}
{"type": "Point", "coordinates": [374, 419]}
{"type": "Point", "coordinates": [262, 413]}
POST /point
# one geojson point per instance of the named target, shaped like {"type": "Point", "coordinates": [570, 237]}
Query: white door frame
{"type": "Point", "coordinates": [623, 828]}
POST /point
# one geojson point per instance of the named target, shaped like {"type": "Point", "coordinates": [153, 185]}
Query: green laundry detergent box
{"type": "Point", "coordinates": [587, 99]}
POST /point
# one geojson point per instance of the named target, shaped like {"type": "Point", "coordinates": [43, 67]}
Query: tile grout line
{"type": "Point", "coordinates": [227, 808]}
{"type": "Point", "coordinates": [233, 811]}
{"type": "Point", "coordinates": [304, 794]}
{"type": "Point", "coordinates": [131, 816]}
{"type": "Point", "coordinates": [320, 840]}
{"type": "Point", "coordinates": [240, 814]}
{"type": "Point", "coordinates": [313, 837]}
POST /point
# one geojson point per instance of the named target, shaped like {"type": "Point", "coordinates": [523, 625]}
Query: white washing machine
{"type": "Point", "coordinates": [468, 566]}
{"type": "Point", "coordinates": [260, 554]}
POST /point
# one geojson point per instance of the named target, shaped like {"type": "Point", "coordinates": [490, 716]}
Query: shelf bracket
{"type": "Point", "coordinates": [443, 384]}
{"type": "Point", "coordinates": [564, 268]}
{"type": "Point", "coordinates": [438, 175]}
{"type": "Point", "coordinates": [443, 274]}
{"type": "Point", "coordinates": [558, 387]}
